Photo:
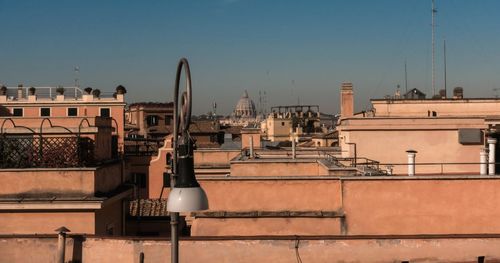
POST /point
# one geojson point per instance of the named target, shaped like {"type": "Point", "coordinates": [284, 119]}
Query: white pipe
{"type": "Point", "coordinates": [491, 160]}
{"type": "Point", "coordinates": [61, 247]}
{"type": "Point", "coordinates": [483, 159]}
{"type": "Point", "coordinates": [251, 147]}
{"type": "Point", "coordinates": [411, 162]}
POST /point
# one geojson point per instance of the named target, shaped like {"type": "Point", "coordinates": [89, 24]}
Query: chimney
{"type": "Point", "coordinates": [411, 162]}
{"type": "Point", "coordinates": [346, 100]}
{"type": "Point", "coordinates": [19, 91]}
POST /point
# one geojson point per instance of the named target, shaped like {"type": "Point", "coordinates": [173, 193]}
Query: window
{"type": "Point", "coordinates": [72, 112]}
{"type": "Point", "coordinates": [45, 112]}
{"type": "Point", "coordinates": [282, 123]}
{"type": "Point", "coordinates": [168, 120]}
{"type": "Point", "coordinates": [152, 120]}
{"type": "Point", "coordinates": [105, 112]}
{"type": "Point", "coordinates": [17, 112]}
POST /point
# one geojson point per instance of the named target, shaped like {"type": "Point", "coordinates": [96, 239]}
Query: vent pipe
{"type": "Point", "coordinates": [411, 162]}
{"type": "Point", "coordinates": [251, 147]}
{"type": "Point", "coordinates": [61, 243]}
{"type": "Point", "coordinates": [294, 153]}
{"type": "Point", "coordinates": [483, 159]}
{"type": "Point", "coordinates": [491, 160]}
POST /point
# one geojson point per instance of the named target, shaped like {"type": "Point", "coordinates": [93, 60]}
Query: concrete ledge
{"type": "Point", "coordinates": [257, 214]}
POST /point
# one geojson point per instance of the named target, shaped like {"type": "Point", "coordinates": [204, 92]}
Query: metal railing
{"type": "Point", "coordinates": [142, 146]}
{"type": "Point", "coordinates": [45, 152]}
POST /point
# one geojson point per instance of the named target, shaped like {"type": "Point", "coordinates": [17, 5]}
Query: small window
{"type": "Point", "coordinates": [72, 112]}
{"type": "Point", "coordinates": [168, 120]}
{"type": "Point", "coordinates": [282, 123]}
{"type": "Point", "coordinates": [45, 112]}
{"type": "Point", "coordinates": [105, 112]}
{"type": "Point", "coordinates": [152, 120]}
{"type": "Point", "coordinates": [18, 112]}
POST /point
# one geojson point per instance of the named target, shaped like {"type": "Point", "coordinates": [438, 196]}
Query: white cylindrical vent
{"type": "Point", "coordinates": [411, 162]}
{"type": "Point", "coordinates": [491, 160]}
{"type": "Point", "coordinates": [483, 160]}
{"type": "Point", "coordinates": [251, 147]}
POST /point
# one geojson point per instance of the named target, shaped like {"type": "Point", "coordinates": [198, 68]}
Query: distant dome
{"type": "Point", "coordinates": [245, 107]}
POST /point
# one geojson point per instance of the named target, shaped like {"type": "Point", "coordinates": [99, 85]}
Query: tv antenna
{"type": "Point", "coordinates": [77, 71]}
{"type": "Point", "coordinates": [434, 11]}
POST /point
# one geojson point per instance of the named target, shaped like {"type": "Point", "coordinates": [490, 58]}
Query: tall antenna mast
{"type": "Point", "coordinates": [434, 11]}
{"type": "Point", "coordinates": [406, 79]}
{"type": "Point", "coordinates": [77, 70]}
{"type": "Point", "coordinates": [444, 47]}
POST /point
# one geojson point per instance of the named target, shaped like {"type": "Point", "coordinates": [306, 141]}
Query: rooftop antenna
{"type": "Point", "coordinates": [406, 79]}
{"type": "Point", "coordinates": [434, 11]}
{"type": "Point", "coordinates": [214, 110]}
{"type": "Point", "coordinates": [444, 50]}
{"type": "Point", "coordinates": [77, 85]}
{"type": "Point", "coordinates": [77, 70]}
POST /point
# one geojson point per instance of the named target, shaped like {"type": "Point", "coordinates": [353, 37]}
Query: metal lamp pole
{"type": "Point", "coordinates": [182, 120]}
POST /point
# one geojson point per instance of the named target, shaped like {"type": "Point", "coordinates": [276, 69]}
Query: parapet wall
{"type": "Point", "coordinates": [263, 249]}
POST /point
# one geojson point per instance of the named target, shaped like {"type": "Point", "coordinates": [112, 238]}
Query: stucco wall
{"type": "Point", "coordinates": [434, 206]}
{"type": "Point", "coordinates": [45, 222]}
{"type": "Point", "coordinates": [433, 146]}
{"type": "Point", "coordinates": [272, 195]}
{"type": "Point", "coordinates": [29, 182]}
{"type": "Point", "coordinates": [420, 108]}
{"type": "Point", "coordinates": [318, 250]}
{"type": "Point", "coordinates": [378, 206]}
{"type": "Point", "coordinates": [265, 226]}
{"type": "Point", "coordinates": [275, 168]}
{"type": "Point", "coordinates": [214, 157]}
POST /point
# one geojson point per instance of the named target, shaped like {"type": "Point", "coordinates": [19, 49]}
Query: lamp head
{"type": "Point", "coordinates": [187, 195]}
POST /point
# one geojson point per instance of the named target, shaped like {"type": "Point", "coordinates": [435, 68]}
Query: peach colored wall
{"type": "Point", "coordinates": [392, 207]}
{"type": "Point", "coordinates": [275, 168]}
{"type": "Point", "coordinates": [157, 167]}
{"type": "Point", "coordinates": [108, 177]}
{"type": "Point", "coordinates": [272, 195]}
{"type": "Point", "coordinates": [327, 250]}
{"type": "Point", "coordinates": [265, 226]}
{"type": "Point", "coordinates": [59, 115]}
{"type": "Point", "coordinates": [60, 182]}
{"type": "Point", "coordinates": [245, 139]}
{"type": "Point", "coordinates": [109, 217]}
{"type": "Point", "coordinates": [55, 181]}
{"type": "Point", "coordinates": [372, 205]}
{"type": "Point", "coordinates": [46, 222]}
{"type": "Point", "coordinates": [433, 146]}
{"type": "Point", "coordinates": [420, 108]}
{"type": "Point", "coordinates": [211, 157]}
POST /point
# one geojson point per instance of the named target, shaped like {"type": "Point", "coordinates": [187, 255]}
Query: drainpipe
{"type": "Point", "coordinates": [294, 154]}
{"type": "Point", "coordinates": [61, 243]}
{"type": "Point", "coordinates": [492, 143]}
{"type": "Point", "coordinates": [483, 159]}
{"type": "Point", "coordinates": [411, 162]}
{"type": "Point", "coordinates": [251, 147]}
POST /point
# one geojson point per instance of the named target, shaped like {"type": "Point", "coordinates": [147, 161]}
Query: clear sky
{"type": "Point", "coordinates": [293, 50]}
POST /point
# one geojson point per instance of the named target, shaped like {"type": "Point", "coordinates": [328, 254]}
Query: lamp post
{"type": "Point", "coordinates": [186, 195]}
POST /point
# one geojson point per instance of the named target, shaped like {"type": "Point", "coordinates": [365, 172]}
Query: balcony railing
{"type": "Point", "coordinates": [45, 152]}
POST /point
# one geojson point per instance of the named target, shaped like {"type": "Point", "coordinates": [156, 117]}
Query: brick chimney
{"type": "Point", "coordinates": [346, 100]}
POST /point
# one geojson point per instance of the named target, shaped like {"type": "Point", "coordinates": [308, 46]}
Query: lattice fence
{"type": "Point", "coordinates": [45, 152]}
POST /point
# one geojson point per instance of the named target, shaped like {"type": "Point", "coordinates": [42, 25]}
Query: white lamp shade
{"type": "Point", "coordinates": [187, 199]}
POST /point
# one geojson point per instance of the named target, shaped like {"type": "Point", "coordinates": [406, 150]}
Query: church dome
{"type": "Point", "coordinates": [245, 107]}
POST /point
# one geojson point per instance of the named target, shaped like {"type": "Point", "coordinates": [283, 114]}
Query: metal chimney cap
{"type": "Point", "coordinates": [411, 151]}
{"type": "Point", "coordinates": [62, 229]}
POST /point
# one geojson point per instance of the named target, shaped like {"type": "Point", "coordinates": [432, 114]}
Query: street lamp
{"type": "Point", "coordinates": [186, 195]}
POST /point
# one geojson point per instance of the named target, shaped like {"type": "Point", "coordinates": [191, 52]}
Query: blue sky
{"type": "Point", "coordinates": [293, 50]}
